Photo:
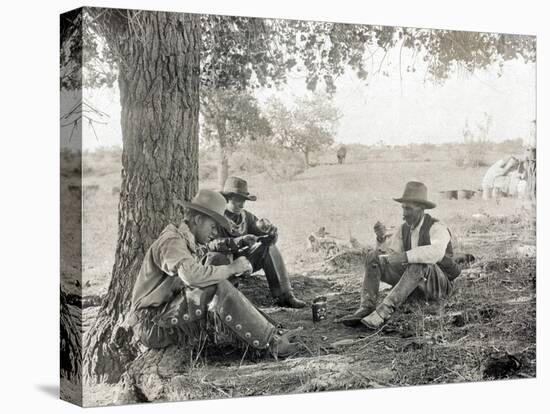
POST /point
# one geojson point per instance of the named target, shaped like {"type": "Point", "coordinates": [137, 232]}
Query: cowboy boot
{"type": "Point", "coordinates": [278, 281]}
{"type": "Point", "coordinates": [411, 279]}
{"type": "Point", "coordinates": [281, 346]}
{"type": "Point", "coordinates": [369, 292]}
{"type": "Point", "coordinates": [288, 300]}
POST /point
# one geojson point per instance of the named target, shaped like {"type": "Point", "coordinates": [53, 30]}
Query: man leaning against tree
{"type": "Point", "coordinates": [180, 299]}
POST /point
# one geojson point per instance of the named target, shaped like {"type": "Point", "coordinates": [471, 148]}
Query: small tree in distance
{"type": "Point", "coordinates": [229, 118]}
{"type": "Point", "coordinates": [477, 144]}
{"type": "Point", "coordinates": [307, 128]}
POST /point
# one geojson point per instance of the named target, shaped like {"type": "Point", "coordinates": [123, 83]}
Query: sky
{"type": "Point", "coordinates": [399, 108]}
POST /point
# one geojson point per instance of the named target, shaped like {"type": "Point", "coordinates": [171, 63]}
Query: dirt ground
{"type": "Point", "coordinates": [486, 330]}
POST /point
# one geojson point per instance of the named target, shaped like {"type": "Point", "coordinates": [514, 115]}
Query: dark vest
{"type": "Point", "coordinates": [447, 264]}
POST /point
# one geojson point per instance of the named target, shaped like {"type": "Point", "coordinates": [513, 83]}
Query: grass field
{"type": "Point", "coordinates": [491, 316]}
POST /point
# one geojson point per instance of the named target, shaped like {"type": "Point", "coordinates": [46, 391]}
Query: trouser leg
{"type": "Point", "coordinates": [238, 314]}
{"type": "Point", "coordinates": [375, 271]}
{"type": "Point", "coordinates": [150, 334]}
{"type": "Point", "coordinates": [436, 284]}
{"type": "Point", "coordinates": [276, 273]}
{"type": "Point", "coordinates": [409, 281]}
{"type": "Point", "coordinates": [371, 281]}
{"type": "Point", "coordinates": [269, 258]}
{"type": "Point", "coordinates": [424, 277]}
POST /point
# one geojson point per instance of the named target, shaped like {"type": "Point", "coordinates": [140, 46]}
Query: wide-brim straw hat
{"type": "Point", "coordinates": [210, 203]}
{"type": "Point", "coordinates": [237, 186]}
{"type": "Point", "coordinates": [416, 192]}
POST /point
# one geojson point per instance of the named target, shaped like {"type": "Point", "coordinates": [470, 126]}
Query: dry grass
{"type": "Point", "coordinates": [492, 311]}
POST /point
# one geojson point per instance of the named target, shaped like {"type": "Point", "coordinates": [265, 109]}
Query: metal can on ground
{"type": "Point", "coordinates": [319, 309]}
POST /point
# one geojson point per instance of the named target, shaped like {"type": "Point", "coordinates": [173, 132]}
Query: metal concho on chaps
{"type": "Point", "coordinates": [242, 317]}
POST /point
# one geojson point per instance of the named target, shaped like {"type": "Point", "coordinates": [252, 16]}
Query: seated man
{"type": "Point", "coordinates": [420, 257]}
{"type": "Point", "coordinates": [176, 299]}
{"type": "Point", "coordinates": [495, 178]}
{"type": "Point", "coordinates": [246, 230]}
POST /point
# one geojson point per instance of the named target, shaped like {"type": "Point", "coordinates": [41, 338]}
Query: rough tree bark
{"type": "Point", "coordinates": [71, 340]}
{"type": "Point", "coordinates": [158, 60]}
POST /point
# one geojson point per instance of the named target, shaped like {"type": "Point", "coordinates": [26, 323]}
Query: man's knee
{"type": "Point", "coordinates": [372, 259]}
{"type": "Point", "coordinates": [421, 267]}
{"type": "Point", "coordinates": [224, 287]}
{"type": "Point", "coordinates": [216, 259]}
{"type": "Point", "coordinates": [419, 270]}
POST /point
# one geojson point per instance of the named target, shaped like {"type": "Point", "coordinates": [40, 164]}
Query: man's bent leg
{"type": "Point", "coordinates": [246, 322]}
{"type": "Point", "coordinates": [375, 271]}
{"type": "Point", "coordinates": [436, 285]}
{"type": "Point", "coordinates": [409, 281]}
{"type": "Point", "coordinates": [215, 259]}
{"type": "Point", "coordinates": [277, 278]}
{"type": "Point", "coordinates": [151, 335]}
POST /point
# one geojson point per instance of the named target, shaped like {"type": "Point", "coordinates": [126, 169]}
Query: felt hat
{"type": "Point", "coordinates": [237, 186]}
{"type": "Point", "coordinates": [210, 203]}
{"type": "Point", "coordinates": [416, 192]}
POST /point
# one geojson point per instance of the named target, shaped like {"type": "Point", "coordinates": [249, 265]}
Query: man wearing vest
{"type": "Point", "coordinates": [260, 236]}
{"type": "Point", "coordinates": [419, 258]}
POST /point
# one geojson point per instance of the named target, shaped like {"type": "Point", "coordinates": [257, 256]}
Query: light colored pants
{"type": "Point", "coordinates": [426, 280]}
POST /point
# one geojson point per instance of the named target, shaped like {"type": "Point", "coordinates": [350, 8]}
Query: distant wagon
{"type": "Point", "coordinates": [341, 154]}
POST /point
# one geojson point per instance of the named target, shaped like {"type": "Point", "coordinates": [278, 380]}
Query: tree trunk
{"type": "Point", "coordinates": [223, 166]}
{"type": "Point", "coordinates": [306, 156]}
{"type": "Point", "coordinates": [158, 59]}
{"type": "Point", "coordinates": [71, 341]}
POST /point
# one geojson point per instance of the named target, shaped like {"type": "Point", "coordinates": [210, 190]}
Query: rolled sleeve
{"type": "Point", "coordinates": [433, 253]}
{"type": "Point", "coordinates": [173, 257]}
{"type": "Point", "coordinates": [195, 274]}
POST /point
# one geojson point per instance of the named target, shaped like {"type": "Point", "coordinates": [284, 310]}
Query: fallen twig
{"type": "Point", "coordinates": [370, 336]}
{"type": "Point", "coordinates": [368, 379]}
{"type": "Point", "coordinates": [456, 373]}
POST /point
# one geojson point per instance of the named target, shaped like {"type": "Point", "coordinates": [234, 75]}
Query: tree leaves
{"type": "Point", "coordinates": [244, 53]}
{"type": "Point", "coordinates": [308, 127]}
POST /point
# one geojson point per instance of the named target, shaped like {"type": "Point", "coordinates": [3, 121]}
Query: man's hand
{"type": "Point", "coordinates": [380, 231]}
{"type": "Point", "coordinates": [265, 226]}
{"type": "Point", "coordinates": [246, 240]}
{"type": "Point", "coordinates": [222, 245]}
{"type": "Point", "coordinates": [241, 267]}
{"type": "Point", "coordinates": [397, 258]}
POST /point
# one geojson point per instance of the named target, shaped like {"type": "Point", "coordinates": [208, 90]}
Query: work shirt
{"type": "Point", "coordinates": [431, 254]}
{"type": "Point", "coordinates": [170, 264]}
{"type": "Point", "coordinates": [243, 223]}
{"type": "Point", "coordinates": [494, 171]}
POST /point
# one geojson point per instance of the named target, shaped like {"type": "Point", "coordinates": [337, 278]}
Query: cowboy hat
{"type": "Point", "coordinates": [237, 186]}
{"type": "Point", "coordinates": [209, 203]}
{"type": "Point", "coordinates": [416, 192]}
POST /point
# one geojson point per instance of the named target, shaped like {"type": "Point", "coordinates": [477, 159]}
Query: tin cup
{"type": "Point", "coordinates": [319, 309]}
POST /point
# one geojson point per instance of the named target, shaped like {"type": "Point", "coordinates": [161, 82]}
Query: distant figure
{"type": "Point", "coordinates": [530, 166]}
{"type": "Point", "coordinates": [341, 154]}
{"type": "Point", "coordinates": [496, 178]}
